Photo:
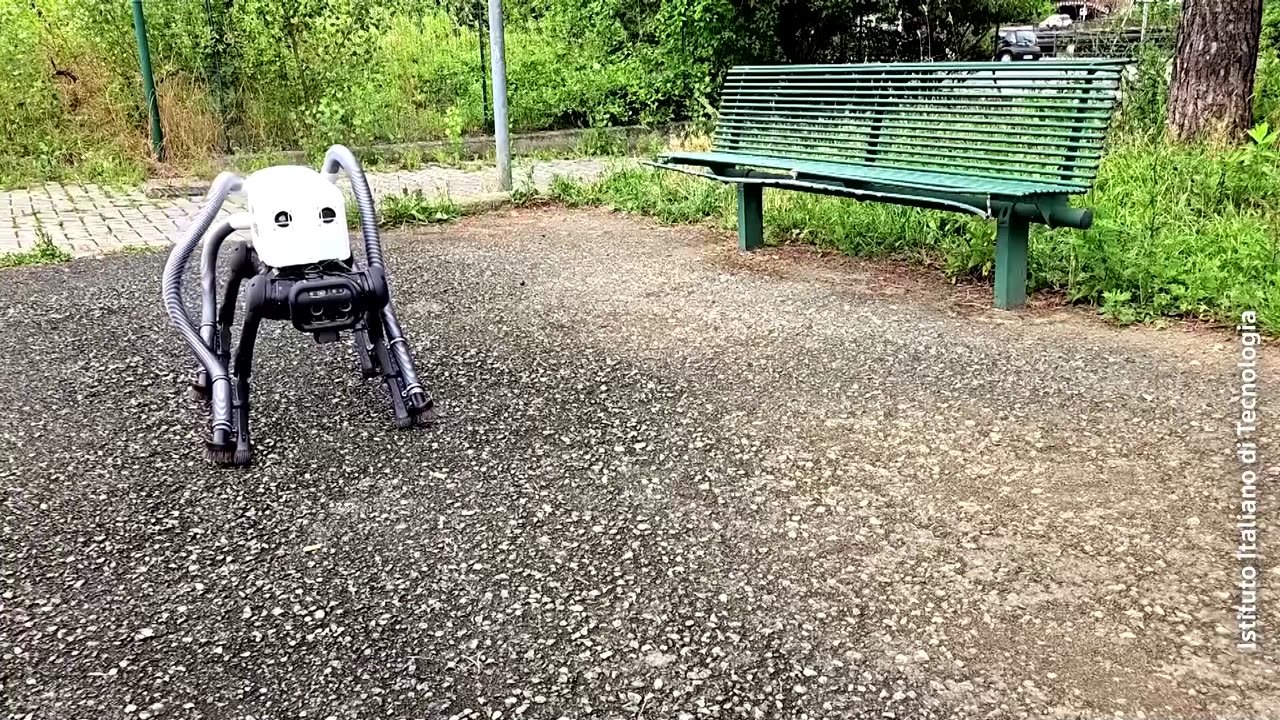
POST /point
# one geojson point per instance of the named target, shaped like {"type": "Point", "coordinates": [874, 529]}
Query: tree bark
{"type": "Point", "coordinates": [1211, 95]}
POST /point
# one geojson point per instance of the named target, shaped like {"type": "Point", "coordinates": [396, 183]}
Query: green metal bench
{"type": "Point", "coordinates": [1011, 141]}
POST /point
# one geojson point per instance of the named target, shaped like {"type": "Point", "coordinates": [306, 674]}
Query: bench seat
{"type": "Point", "coordinates": [1011, 188]}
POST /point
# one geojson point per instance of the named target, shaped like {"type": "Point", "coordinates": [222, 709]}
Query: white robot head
{"type": "Point", "coordinates": [298, 217]}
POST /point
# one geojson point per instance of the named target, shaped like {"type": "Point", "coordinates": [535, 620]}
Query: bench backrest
{"type": "Point", "coordinates": [1040, 121]}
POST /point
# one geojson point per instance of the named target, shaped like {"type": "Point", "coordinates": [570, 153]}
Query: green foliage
{"type": "Point", "coordinates": [1117, 306]}
{"type": "Point", "coordinates": [1258, 162]}
{"type": "Point", "coordinates": [667, 196]}
{"type": "Point", "coordinates": [415, 208]}
{"type": "Point", "coordinates": [1146, 92]}
{"type": "Point", "coordinates": [139, 250]}
{"type": "Point", "coordinates": [40, 100]}
{"type": "Point", "coordinates": [1270, 38]}
{"type": "Point", "coordinates": [1179, 231]}
{"type": "Point", "coordinates": [599, 142]}
{"type": "Point", "coordinates": [44, 253]}
{"type": "Point", "coordinates": [410, 160]}
{"type": "Point", "coordinates": [258, 75]}
{"type": "Point", "coordinates": [1266, 85]}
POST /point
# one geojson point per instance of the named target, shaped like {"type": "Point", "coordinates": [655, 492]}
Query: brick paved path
{"type": "Point", "coordinates": [90, 220]}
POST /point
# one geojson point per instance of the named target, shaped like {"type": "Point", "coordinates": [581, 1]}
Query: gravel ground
{"type": "Point", "coordinates": [670, 482]}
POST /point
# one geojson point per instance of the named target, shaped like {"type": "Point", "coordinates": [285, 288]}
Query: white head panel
{"type": "Point", "coordinates": [299, 218]}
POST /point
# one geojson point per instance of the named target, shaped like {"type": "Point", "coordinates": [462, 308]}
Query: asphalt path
{"type": "Point", "coordinates": [668, 482]}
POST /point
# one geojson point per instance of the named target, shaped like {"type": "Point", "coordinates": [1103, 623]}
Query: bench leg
{"type": "Point", "coordinates": [750, 217]}
{"type": "Point", "coordinates": [1011, 261]}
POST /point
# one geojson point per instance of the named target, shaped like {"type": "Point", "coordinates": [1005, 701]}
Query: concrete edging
{"type": "Point", "coordinates": [473, 147]}
{"type": "Point", "coordinates": [469, 148]}
{"type": "Point", "coordinates": [483, 203]}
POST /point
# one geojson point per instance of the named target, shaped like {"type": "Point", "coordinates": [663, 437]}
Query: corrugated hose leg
{"type": "Point", "coordinates": [171, 292]}
{"type": "Point", "coordinates": [420, 405]}
{"type": "Point", "coordinates": [209, 299]}
{"type": "Point", "coordinates": [242, 269]}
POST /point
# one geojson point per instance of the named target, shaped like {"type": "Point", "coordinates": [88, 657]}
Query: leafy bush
{"type": "Point", "coordinates": [1186, 231]}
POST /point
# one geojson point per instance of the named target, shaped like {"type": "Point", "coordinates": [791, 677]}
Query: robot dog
{"type": "Point", "coordinates": [296, 266]}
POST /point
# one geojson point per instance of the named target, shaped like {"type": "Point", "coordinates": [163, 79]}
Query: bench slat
{"type": "Point", "coordinates": [733, 83]}
{"type": "Point", "coordinates": [940, 162]}
{"type": "Point", "coordinates": [1041, 67]}
{"type": "Point", "coordinates": [1011, 136]}
{"type": "Point", "coordinates": [935, 162]}
{"type": "Point", "coordinates": [992, 107]}
{"type": "Point", "coordinates": [805, 137]}
{"type": "Point", "coordinates": [799, 140]}
{"type": "Point", "coordinates": [972, 124]}
{"type": "Point", "coordinates": [987, 81]}
{"type": "Point", "coordinates": [882, 93]}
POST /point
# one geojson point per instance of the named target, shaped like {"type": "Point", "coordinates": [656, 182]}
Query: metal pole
{"type": "Point", "coordinates": [484, 80]}
{"type": "Point", "coordinates": [215, 49]}
{"type": "Point", "coordinates": [148, 80]}
{"type": "Point", "coordinates": [498, 60]}
{"type": "Point", "coordinates": [1142, 37]}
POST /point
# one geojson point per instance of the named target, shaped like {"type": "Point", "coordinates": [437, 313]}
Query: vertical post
{"type": "Point", "coordinates": [215, 49]}
{"type": "Point", "coordinates": [750, 217]}
{"type": "Point", "coordinates": [1146, 5]}
{"type": "Point", "coordinates": [484, 80]}
{"type": "Point", "coordinates": [498, 60]}
{"type": "Point", "coordinates": [1011, 260]}
{"type": "Point", "coordinates": [148, 80]}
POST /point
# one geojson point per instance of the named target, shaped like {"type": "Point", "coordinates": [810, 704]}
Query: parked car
{"type": "Point", "coordinates": [1018, 45]}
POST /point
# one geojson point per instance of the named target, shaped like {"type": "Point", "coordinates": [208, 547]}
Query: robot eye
{"type": "Point", "coordinates": [283, 219]}
{"type": "Point", "coordinates": [327, 215]}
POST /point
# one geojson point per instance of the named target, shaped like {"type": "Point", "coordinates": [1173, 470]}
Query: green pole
{"type": "Point", "coordinates": [148, 80]}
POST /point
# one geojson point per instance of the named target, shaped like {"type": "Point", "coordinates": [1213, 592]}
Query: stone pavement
{"type": "Point", "coordinates": [91, 220]}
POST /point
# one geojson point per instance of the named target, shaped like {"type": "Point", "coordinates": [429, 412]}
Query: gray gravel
{"type": "Point", "coordinates": [670, 482]}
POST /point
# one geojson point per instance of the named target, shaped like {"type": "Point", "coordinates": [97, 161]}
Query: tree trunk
{"type": "Point", "coordinates": [1212, 90]}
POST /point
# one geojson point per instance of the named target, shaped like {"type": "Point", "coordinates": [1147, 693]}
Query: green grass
{"type": "Point", "coordinates": [1179, 232]}
{"type": "Point", "coordinates": [415, 208]}
{"type": "Point", "coordinates": [140, 250]}
{"type": "Point", "coordinates": [251, 163]}
{"type": "Point", "coordinates": [44, 253]}
{"type": "Point", "coordinates": [66, 160]}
